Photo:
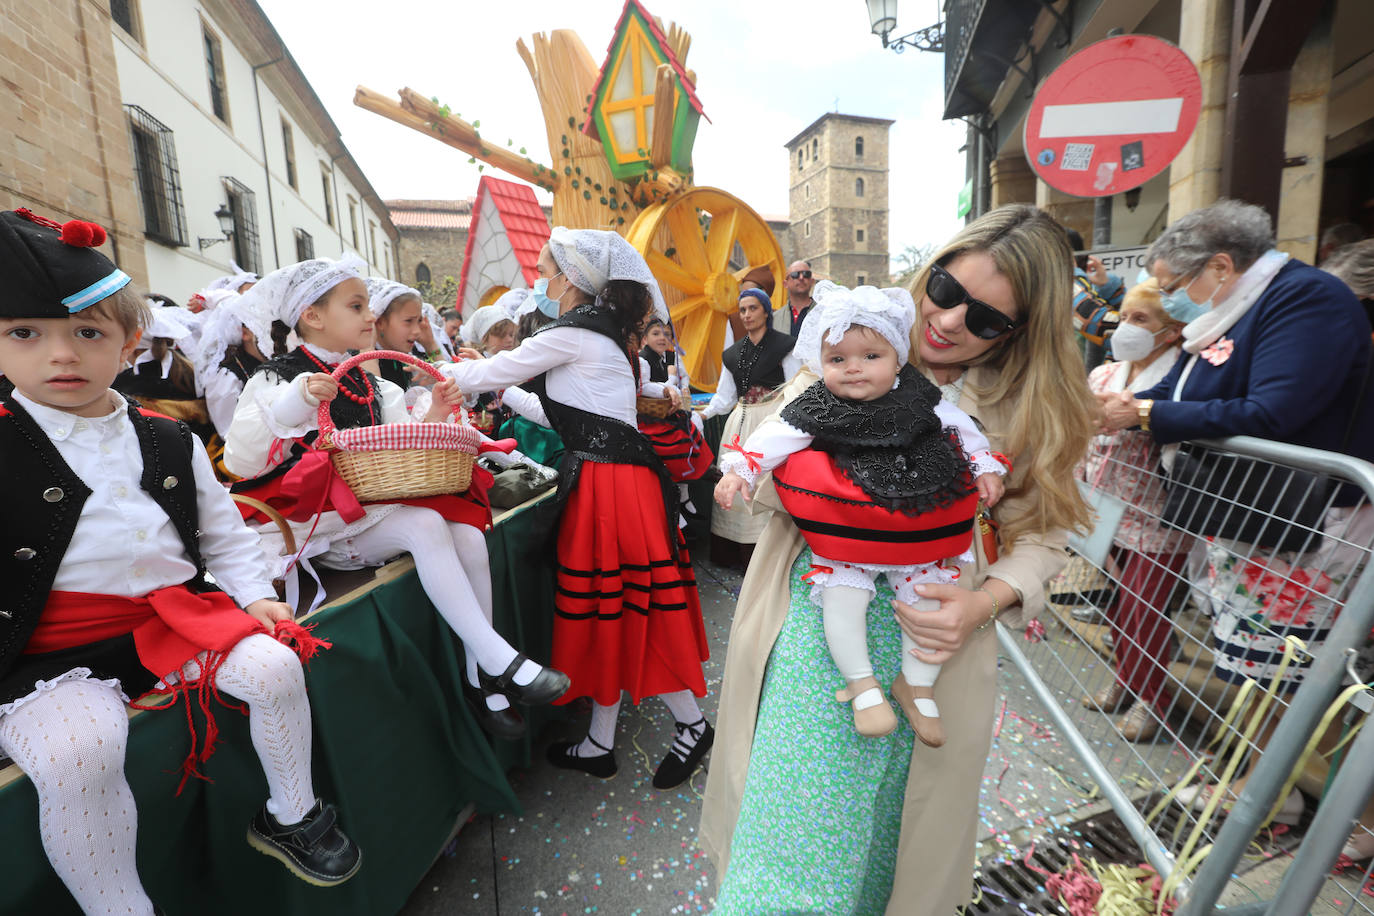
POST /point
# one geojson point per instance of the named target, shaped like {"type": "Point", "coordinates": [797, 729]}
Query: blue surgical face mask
{"type": "Point", "coordinates": [1181, 306]}
{"type": "Point", "coordinates": [542, 301]}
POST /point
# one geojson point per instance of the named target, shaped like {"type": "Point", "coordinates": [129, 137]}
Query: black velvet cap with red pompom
{"type": "Point", "coordinates": [52, 269]}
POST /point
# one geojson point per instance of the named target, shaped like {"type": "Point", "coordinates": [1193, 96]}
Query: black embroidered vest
{"type": "Point", "coordinates": [240, 363]}
{"type": "Point", "coordinates": [44, 502]}
{"type": "Point", "coordinates": [658, 364]}
{"type": "Point", "coordinates": [593, 437]}
{"type": "Point", "coordinates": [760, 364]}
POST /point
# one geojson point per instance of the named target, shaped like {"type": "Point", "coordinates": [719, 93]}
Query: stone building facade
{"type": "Point", "coordinates": [64, 146]}
{"type": "Point", "coordinates": [838, 198]}
{"type": "Point", "coordinates": [433, 235]}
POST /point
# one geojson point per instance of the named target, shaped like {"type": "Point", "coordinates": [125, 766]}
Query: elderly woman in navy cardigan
{"type": "Point", "coordinates": [1273, 348]}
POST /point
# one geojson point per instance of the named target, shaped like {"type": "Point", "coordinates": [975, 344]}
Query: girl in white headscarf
{"type": "Point", "coordinates": [234, 341]}
{"type": "Point", "coordinates": [327, 304]}
{"type": "Point", "coordinates": [868, 462]}
{"type": "Point", "coordinates": [399, 320]}
{"type": "Point", "coordinates": [627, 616]}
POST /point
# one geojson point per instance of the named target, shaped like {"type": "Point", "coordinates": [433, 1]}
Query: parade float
{"type": "Point", "coordinates": [620, 140]}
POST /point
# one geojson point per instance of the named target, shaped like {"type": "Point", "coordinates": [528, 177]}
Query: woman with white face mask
{"type": "Point", "coordinates": [1150, 559]}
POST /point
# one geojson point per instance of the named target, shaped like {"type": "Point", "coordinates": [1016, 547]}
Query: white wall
{"type": "Point", "coordinates": [166, 76]}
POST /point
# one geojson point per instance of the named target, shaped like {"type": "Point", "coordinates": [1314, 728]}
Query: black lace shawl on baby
{"type": "Point", "coordinates": [893, 447]}
{"type": "Point", "coordinates": [593, 437]}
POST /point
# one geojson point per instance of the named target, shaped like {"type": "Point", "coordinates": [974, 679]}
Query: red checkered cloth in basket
{"type": "Point", "coordinates": [449, 437]}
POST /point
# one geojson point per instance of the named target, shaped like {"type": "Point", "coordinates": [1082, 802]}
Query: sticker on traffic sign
{"type": "Point", "coordinates": [1113, 116]}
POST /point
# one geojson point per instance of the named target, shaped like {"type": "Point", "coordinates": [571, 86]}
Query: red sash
{"type": "Point", "coordinates": [841, 522]}
{"type": "Point", "coordinates": [170, 627]}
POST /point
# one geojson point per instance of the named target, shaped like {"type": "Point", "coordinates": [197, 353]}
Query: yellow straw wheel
{"type": "Point", "coordinates": [700, 244]}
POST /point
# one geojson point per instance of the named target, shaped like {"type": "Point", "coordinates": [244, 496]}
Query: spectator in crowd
{"type": "Point", "coordinates": [798, 282]}
{"type": "Point", "coordinates": [753, 372]}
{"type": "Point", "coordinates": [1150, 558]}
{"type": "Point", "coordinates": [1276, 348]}
{"type": "Point", "coordinates": [1337, 237]}
{"type": "Point", "coordinates": [1354, 263]}
{"type": "Point", "coordinates": [1273, 348]}
{"type": "Point", "coordinates": [1096, 298]}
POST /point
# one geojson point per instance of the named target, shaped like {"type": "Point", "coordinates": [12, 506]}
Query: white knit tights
{"type": "Point", "coordinates": [461, 591]}
{"type": "Point", "coordinates": [70, 741]}
{"type": "Point", "coordinates": [267, 676]}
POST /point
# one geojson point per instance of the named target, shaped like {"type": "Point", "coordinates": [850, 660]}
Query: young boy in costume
{"type": "Point", "coordinates": [112, 523]}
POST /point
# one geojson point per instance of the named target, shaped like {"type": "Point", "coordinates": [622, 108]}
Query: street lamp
{"type": "Point", "coordinates": [226, 227]}
{"type": "Point", "coordinates": [882, 17]}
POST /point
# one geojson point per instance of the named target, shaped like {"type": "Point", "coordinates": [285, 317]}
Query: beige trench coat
{"type": "Point", "coordinates": [935, 855]}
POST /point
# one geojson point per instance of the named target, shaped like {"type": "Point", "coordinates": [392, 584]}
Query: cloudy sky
{"type": "Point", "coordinates": [765, 70]}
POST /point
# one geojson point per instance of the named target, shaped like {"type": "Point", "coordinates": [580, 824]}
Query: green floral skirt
{"type": "Point", "coordinates": [822, 807]}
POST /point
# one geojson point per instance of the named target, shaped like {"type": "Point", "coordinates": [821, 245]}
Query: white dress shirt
{"type": "Point", "coordinates": [124, 544]}
{"type": "Point", "coordinates": [585, 370]}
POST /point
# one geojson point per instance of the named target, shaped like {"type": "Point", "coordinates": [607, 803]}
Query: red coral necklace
{"type": "Point", "coordinates": [369, 393]}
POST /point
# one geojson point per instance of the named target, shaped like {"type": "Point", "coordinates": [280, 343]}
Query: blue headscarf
{"type": "Point", "coordinates": [759, 295]}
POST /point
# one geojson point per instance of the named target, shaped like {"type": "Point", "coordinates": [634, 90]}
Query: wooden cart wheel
{"type": "Point", "coordinates": [700, 244]}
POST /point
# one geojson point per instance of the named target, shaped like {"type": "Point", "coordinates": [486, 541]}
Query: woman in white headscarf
{"type": "Point", "coordinates": [627, 613]}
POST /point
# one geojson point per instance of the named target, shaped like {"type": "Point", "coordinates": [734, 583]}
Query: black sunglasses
{"type": "Point", "coordinates": [799, 274]}
{"type": "Point", "coordinates": [981, 319]}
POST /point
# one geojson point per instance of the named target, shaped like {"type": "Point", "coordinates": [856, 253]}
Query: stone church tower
{"type": "Point", "coordinates": [838, 198]}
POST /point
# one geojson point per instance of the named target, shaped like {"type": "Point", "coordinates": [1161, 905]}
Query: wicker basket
{"type": "Point", "coordinates": [653, 407]}
{"type": "Point", "coordinates": [409, 460]}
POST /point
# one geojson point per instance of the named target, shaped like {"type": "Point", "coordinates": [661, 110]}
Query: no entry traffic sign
{"type": "Point", "coordinates": [1113, 116]}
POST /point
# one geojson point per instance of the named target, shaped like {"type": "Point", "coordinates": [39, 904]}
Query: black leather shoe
{"type": "Point", "coordinates": [506, 724]}
{"type": "Point", "coordinates": [315, 850]}
{"type": "Point", "coordinates": [682, 761]}
{"type": "Point", "coordinates": [548, 685]}
{"type": "Point", "coordinates": [602, 766]}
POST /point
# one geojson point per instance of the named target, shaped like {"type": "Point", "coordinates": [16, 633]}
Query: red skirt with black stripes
{"type": "Point", "coordinates": [627, 615]}
{"type": "Point", "coordinates": [684, 453]}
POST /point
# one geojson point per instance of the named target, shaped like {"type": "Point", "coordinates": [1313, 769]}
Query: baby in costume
{"type": "Point", "coordinates": [882, 476]}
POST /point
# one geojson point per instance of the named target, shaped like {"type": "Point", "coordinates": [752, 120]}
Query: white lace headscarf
{"type": "Point", "coordinates": [591, 258]}
{"type": "Point", "coordinates": [516, 303]}
{"type": "Point", "coordinates": [286, 293]}
{"type": "Point", "coordinates": [170, 321]}
{"type": "Point", "coordinates": [224, 329]}
{"type": "Point", "coordinates": [233, 281]}
{"type": "Point", "coordinates": [891, 312]}
{"type": "Point", "coordinates": [381, 292]}
{"type": "Point", "coordinates": [474, 330]}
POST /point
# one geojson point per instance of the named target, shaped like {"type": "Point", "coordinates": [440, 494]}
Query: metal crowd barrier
{"type": "Point", "coordinates": [1196, 622]}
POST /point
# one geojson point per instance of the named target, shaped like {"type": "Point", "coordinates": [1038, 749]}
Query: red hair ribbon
{"type": "Point", "coordinates": [751, 457]}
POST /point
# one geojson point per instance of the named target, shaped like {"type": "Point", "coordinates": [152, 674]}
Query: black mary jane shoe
{"type": "Point", "coordinates": [314, 850]}
{"type": "Point", "coordinates": [602, 766]}
{"type": "Point", "coordinates": [682, 761]}
{"type": "Point", "coordinates": [548, 685]}
{"type": "Point", "coordinates": [506, 724]}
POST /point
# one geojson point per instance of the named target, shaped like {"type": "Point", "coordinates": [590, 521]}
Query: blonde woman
{"type": "Point", "coordinates": [1150, 558]}
{"type": "Point", "coordinates": [801, 813]}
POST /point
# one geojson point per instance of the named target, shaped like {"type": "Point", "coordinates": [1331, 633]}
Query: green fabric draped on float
{"type": "Point", "coordinates": [395, 748]}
